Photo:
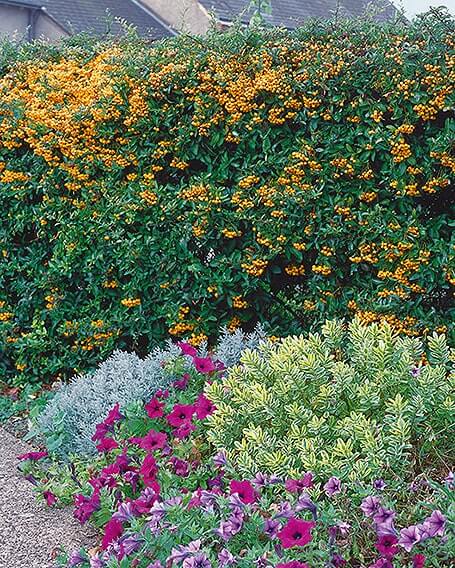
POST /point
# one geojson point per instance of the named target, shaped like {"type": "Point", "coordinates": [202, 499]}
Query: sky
{"type": "Point", "coordinates": [413, 7]}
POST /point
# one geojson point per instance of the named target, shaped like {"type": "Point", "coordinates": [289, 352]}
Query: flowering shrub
{"type": "Point", "coordinates": [360, 404]}
{"type": "Point", "coordinates": [160, 500]}
{"type": "Point", "coordinates": [68, 421]}
{"type": "Point", "coordinates": [299, 175]}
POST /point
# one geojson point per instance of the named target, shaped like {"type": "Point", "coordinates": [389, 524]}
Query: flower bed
{"type": "Point", "coordinates": [162, 495]}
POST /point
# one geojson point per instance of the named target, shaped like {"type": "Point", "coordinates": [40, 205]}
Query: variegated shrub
{"type": "Point", "coordinates": [360, 402]}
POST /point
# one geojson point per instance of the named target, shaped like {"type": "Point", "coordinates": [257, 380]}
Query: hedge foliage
{"type": "Point", "coordinates": [149, 190]}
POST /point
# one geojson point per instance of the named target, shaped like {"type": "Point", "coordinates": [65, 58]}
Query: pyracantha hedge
{"type": "Point", "coordinates": [198, 182]}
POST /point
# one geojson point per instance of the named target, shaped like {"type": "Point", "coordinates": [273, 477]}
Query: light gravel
{"type": "Point", "coordinates": [31, 534]}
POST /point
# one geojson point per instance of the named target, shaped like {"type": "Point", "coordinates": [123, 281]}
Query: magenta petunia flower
{"type": "Point", "coordinates": [182, 383]}
{"type": "Point", "coordinates": [181, 467]}
{"type": "Point", "coordinates": [434, 524]}
{"type": "Point", "coordinates": [154, 408]}
{"type": "Point", "coordinates": [180, 414]}
{"type": "Point", "coordinates": [298, 485]}
{"type": "Point", "coordinates": [33, 456]}
{"type": "Point", "coordinates": [204, 407]}
{"type": "Point", "coordinates": [112, 531]}
{"type": "Point", "coordinates": [296, 533]}
{"type": "Point", "coordinates": [409, 537]}
{"type": "Point", "coordinates": [204, 365]}
{"type": "Point", "coordinates": [292, 564]}
{"type": "Point", "coordinates": [101, 430]}
{"type": "Point", "coordinates": [84, 506]}
{"type": "Point", "coordinates": [148, 470]}
{"type": "Point", "coordinates": [153, 440]}
{"type": "Point", "coordinates": [113, 416]}
{"type": "Point", "coordinates": [244, 490]}
{"type": "Point", "coordinates": [50, 498]}
{"type": "Point", "coordinates": [332, 487]}
{"type": "Point", "coordinates": [187, 349]}
{"type": "Point", "coordinates": [184, 430]}
{"type": "Point", "coordinates": [382, 563]}
{"type": "Point", "coordinates": [107, 445]}
{"type": "Point", "coordinates": [386, 545]}
{"type": "Point", "coordinates": [418, 561]}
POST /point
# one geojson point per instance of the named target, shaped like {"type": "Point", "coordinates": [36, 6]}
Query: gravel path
{"type": "Point", "coordinates": [30, 532]}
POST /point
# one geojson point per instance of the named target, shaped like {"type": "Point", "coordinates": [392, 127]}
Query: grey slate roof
{"type": "Point", "coordinates": [91, 16]}
{"type": "Point", "coordinates": [292, 13]}
{"type": "Point", "coordinates": [24, 3]}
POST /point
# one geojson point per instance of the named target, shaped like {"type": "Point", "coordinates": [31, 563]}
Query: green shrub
{"type": "Point", "coordinates": [357, 404]}
{"type": "Point", "coordinates": [199, 182]}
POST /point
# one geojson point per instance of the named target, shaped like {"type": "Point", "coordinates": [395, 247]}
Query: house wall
{"type": "Point", "coordinates": [13, 21]}
{"type": "Point", "coordinates": [46, 28]}
{"type": "Point", "coordinates": [182, 15]}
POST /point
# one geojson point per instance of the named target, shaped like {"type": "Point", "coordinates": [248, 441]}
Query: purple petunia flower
{"type": "Point", "coordinates": [156, 564]}
{"type": "Point", "coordinates": [76, 558]}
{"type": "Point", "coordinates": [200, 560]}
{"type": "Point", "coordinates": [181, 552]}
{"type": "Point", "coordinates": [285, 512]}
{"type": "Point", "coordinates": [304, 502]}
{"type": "Point", "coordinates": [332, 487]}
{"type": "Point", "coordinates": [219, 460]}
{"type": "Point", "coordinates": [450, 480]}
{"type": "Point", "coordinates": [383, 519]}
{"type": "Point", "coordinates": [262, 561]}
{"type": "Point", "coordinates": [225, 558]}
{"type": "Point", "coordinates": [409, 537]}
{"type": "Point", "coordinates": [130, 544]}
{"type": "Point", "coordinates": [379, 484]}
{"type": "Point", "coordinates": [271, 528]}
{"type": "Point", "coordinates": [96, 562]}
{"type": "Point", "coordinates": [124, 513]}
{"type": "Point", "coordinates": [370, 505]}
{"type": "Point", "coordinates": [434, 524]}
{"type": "Point", "coordinates": [261, 480]}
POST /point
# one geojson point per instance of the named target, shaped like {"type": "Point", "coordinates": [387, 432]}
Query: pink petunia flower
{"type": "Point", "coordinates": [180, 414]}
{"type": "Point", "coordinates": [106, 445]}
{"type": "Point", "coordinates": [204, 407]}
{"type": "Point", "coordinates": [112, 531]}
{"type": "Point", "coordinates": [113, 416]}
{"type": "Point", "coordinates": [386, 545]}
{"type": "Point", "coordinates": [50, 498]}
{"type": "Point", "coordinates": [184, 430]}
{"type": "Point", "coordinates": [154, 408]}
{"type": "Point", "coordinates": [182, 383]}
{"type": "Point", "coordinates": [152, 441]}
{"type": "Point", "coordinates": [204, 365]}
{"type": "Point", "coordinates": [298, 485]}
{"type": "Point", "coordinates": [292, 564]}
{"type": "Point", "coordinates": [148, 470]}
{"type": "Point", "coordinates": [187, 349]}
{"type": "Point", "coordinates": [418, 560]}
{"type": "Point", "coordinates": [33, 456]}
{"type": "Point", "coordinates": [296, 533]}
{"type": "Point", "coordinates": [244, 490]}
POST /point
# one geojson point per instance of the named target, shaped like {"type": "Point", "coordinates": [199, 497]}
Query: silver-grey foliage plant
{"type": "Point", "coordinates": [69, 420]}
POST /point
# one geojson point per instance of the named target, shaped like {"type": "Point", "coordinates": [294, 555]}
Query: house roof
{"type": "Point", "coordinates": [23, 3]}
{"type": "Point", "coordinates": [92, 16]}
{"type": "Point", "coordinates": [292, 13]}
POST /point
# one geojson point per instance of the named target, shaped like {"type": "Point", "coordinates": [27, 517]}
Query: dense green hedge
{"type": "Point", "coordinates": [254, 175]}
